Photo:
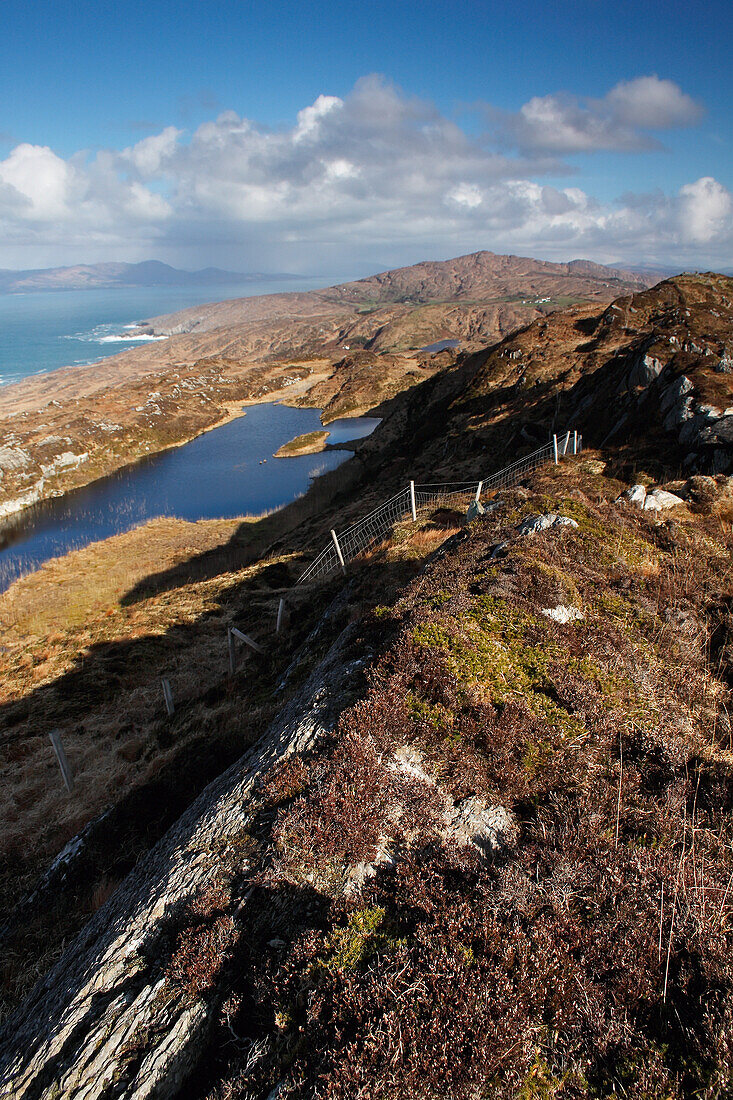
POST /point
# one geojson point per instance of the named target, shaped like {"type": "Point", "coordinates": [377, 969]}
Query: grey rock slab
{"type": "Point", "coordinates": [532, 524]}
{"type": "Point", "coordinates": [562, 614]}
{"type": "Point", "coordinates": [481, 825]}
{"type": "Point", "coordinates": [58, 1042]}
{"type": "Point", "coordinates": [675, 392]}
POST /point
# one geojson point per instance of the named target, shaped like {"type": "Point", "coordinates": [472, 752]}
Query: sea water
{"type": "Point", "coordinates": [226, 472]}
{"type": "Point", "coordinates": [45, 330]}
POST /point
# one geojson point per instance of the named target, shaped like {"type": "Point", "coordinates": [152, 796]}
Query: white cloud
{"type": "Point", "coordinates": [653, 104]}
{"type": "Point", "coordinates": [706, 211]}
{"type": "Point", "coordinates": [619, 121]}
{"type": "Point", "coordinates": [377, 177]}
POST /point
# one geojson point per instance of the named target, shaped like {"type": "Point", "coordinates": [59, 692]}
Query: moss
{"type": "Point", "coordinates": [364, 936]}
{"type": "Point", "coordinates": [541, 1084]}
{"type": "Point", "coordinates": [440, 718]}
{"type": "Point", "coordinates": [490, 647]}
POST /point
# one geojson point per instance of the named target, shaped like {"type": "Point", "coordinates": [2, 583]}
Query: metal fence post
{"type": "Point", "coordinates": [554, 447]}
{"type": "Point", "coordinates": [232, 653]}
{"type": "Point", "coordinates": [58, 748]}
{"type": "Point", "coordinates": [412, 502]}
{"type": "Point", "coordinates": [338, 551]}
{"type": "Point", "coordinates": [168, 697]}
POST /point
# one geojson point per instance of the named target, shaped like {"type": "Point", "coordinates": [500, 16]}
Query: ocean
{"type": "Point", "coordinates": [45, 330]}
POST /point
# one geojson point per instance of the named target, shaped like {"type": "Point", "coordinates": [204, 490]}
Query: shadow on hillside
{"type": "Point", "coordinates": [216, 720]}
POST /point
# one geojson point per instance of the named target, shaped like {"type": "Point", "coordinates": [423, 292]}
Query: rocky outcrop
{"type": "Point", "coordinates": [652, 500]}
{"type": "Point", "coordinates": [108, 1020]}
{"type": "Point", "coordinates": [532, 524]}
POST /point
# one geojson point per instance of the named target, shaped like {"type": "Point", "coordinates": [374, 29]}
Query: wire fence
{"type": "Point", "coordinates": [379, 523]}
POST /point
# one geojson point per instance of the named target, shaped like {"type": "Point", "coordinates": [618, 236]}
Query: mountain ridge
{"type": "Point", "coordinates": [114, 274]}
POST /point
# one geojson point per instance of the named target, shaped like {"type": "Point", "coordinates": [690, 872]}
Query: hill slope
{"type": "Point", "coordinates": [480, 844]}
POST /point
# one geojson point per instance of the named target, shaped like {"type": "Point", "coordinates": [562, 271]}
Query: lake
{"type": "Point", "coordinates": [220, 474]}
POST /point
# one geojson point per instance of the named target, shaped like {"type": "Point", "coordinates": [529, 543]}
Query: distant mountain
{"type": "Point", "coordinates": [96, 276]}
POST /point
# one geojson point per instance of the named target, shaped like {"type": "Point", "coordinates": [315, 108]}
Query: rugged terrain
{"type": "Point", "coordinates": [348, 349]}
{"type": "Point", "coordinates": [479, 842]}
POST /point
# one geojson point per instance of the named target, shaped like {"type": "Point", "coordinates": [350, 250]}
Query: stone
{"type": "Point", "coordinates": [636, 495]}
{"type": "Point", "coordinates": [675, 392]}
{"type": "Point", "coordinates": [476, 823]}
{"type": "Point", "coordinates": [658, 499]}
{"type": "Point", "coordinates": [532, 524]}
{"type": "Point", "coordinates": [644, 370]}
{"type": "Point", "coordinates": [475, 509]}
{"type": "Point", "coordinates": [562, 614]}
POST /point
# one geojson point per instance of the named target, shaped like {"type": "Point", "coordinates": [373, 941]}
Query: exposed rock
{"type": "Point", "coordinates": [636, 495]}
{"type": "Point", "coordinates": [659, 499]}
{"type": "Point", "coordinates": [12, 458]}
{"type": "Point", "coordinates": [563, 614]}
{"type": "Point", "coordinates": [532, 524]}
{"type": "Point", "coordinates": [475, 509]}
{"type": "Point", "coordinates": [643, 371]}
{"type": "Point", "coordinates": [475, 822]}
{"type": "Point", "coordinates": [108, 993]}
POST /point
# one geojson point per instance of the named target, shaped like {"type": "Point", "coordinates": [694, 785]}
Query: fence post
{"type": "Point", "coordinates": [280, 609]}
{"type": "Point", "coordinates": [232, 653]}
{"type": "Point", "coordinates": [338, 552]}
{"type": "Point", "coordinates": [554, 447]}
{"type": "Point", "coordinates": [246, 639]}
{"type": "Point", "coordinates": [575, 442]}
{"type": "Point", "coordinates": [58, 748]}
{"type": "Point", "coordinates": [478, 491]}
{"type": "Point", "coordinates": [565, 444]}
{"type": "Point", "coordinates": [412, 502]}
{"type": "Point", "coordinates": [168, 697]}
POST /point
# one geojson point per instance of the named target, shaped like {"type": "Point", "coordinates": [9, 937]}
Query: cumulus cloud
{"type": "Point", "coordinates": [374, 177]}
{"type": "Point", "coordinates": [620, 121]}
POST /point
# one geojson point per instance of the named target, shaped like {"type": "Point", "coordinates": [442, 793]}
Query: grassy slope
{"type": "Point", "coordinates": [592, 957]}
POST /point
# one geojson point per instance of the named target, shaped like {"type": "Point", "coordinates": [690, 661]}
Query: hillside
{"type": "Point", "coordinates": [68, 428]}
{"type": "Point", "coordinates": [472, 832]}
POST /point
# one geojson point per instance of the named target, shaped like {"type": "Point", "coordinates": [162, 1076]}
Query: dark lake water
{"type": "Point", "coordinates": [441, 345]}
{"type": "Point", "coordinates": [217, 475]}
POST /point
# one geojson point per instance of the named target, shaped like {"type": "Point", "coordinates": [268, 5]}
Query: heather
{"type": "Point", "coordinates": [585, 952]}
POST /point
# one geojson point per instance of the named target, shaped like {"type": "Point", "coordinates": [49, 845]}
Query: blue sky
{"type": "Point", "coordinates": [133, 130]}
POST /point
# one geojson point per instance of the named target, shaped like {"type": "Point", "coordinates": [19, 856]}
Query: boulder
{"type": "Point", "coordinates": [636, 495]}
{"type": "Point", "coordinates": [644, 370]}
{"type": "Point", "coordinates": [532, 524]}
{"type": "Point", "coordinates": [659, 499]}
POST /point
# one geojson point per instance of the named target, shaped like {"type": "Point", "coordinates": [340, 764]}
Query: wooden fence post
{"type": "Point", "coordinates": [338, 552]}
{"type": "Point", "coordinates": [280, 609]}
{"type": "Point", "coordinates": [565, 444]}
{"type": "Point", "coordinates": [412, 502]}
{"type": "Point", "coordinates": [168, 697]}
{"type": "Point", "coordinates": [58, 748]}
{"type": "Point", "coordinates": [478, 491]}
{"type": "Point", "coordinates": [232, 652]}
{"type": "Point", "coordinates": [554, 447]}
{"type": "Point", "coordinates": [575, 442]}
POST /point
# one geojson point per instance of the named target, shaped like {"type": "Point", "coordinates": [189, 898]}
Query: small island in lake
{"type": "Point", "coordinates": [309, 444]}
